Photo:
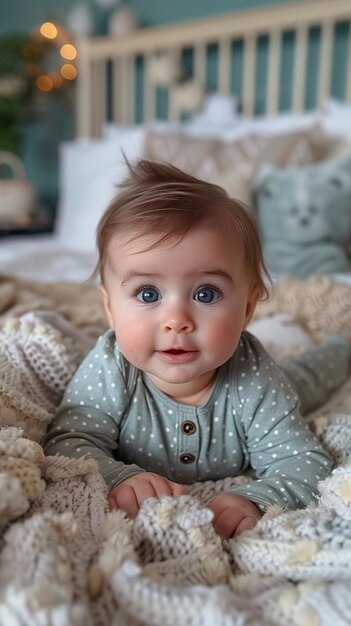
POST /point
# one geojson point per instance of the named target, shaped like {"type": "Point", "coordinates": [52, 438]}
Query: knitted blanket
{"type": "Point", "coordinates": [66, 561]}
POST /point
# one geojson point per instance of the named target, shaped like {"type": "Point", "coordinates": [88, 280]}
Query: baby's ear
{"type": "Point", "coordinates": [106, 303]}
{"type": "Point", "coordinates": [263, 179]}
{"type": "Point", "coordinates": [251, 305]}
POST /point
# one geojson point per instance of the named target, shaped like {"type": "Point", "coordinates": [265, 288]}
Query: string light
{"type": "Point", "coordinates": [44, 83]}
{"type": "Point", "coordinates": [48, 30]}
{"type": "Point", "coordinates": [60, 39]}
{"type": "Point", "coordinates": [68, 71]}
{"type": "Point", "coordinates": [68, 52]}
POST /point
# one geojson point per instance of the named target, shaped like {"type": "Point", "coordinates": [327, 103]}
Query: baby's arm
{"type": "Point", "coordinates": [84, 442]}
{"type": "Point", "coordinates": [285, 455]}
{"type": "Point", "coordinates": [88, 419]}
{"type": "Point", "coordinates": [317, 372]}
{"type": "Point", "coordinates": [131, 493]}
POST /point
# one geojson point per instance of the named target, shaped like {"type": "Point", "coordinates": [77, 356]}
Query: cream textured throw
{"type": "Point", "coordinates": [66, 561]}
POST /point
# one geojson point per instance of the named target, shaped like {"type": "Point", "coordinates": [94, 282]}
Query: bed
{"type": "Point", "coordinates": [64, 558]}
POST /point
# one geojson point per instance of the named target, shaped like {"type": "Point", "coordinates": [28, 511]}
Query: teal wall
{"type": "Point", "coordinates": [154, 12]}
{"type": "Point", "coordinates": [23, 15]}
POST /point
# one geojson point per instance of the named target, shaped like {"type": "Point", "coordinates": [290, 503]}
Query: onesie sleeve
{"type": "Point", "coordinates": [87, 422]}
{"type": "Point", "coordinates": [284, 453]}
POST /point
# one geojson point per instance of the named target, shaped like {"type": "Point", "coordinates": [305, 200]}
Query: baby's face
{"type": "Point", "coordinates": [178, 309]}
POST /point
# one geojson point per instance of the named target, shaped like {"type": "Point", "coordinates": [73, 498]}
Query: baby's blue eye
{"type": "Point", "coordinates": [148, 295]}
{"type": "Point", "coordinates": [206, 295]}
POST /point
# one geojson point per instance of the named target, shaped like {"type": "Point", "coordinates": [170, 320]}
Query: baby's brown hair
{"type": "Point", "coordinates": [160, 198]}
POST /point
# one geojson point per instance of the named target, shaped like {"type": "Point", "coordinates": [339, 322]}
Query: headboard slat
{"type": "Point", "coordinates": [224, 66]}
{"type": "Point", "coordinates": [149, 91]}
{"type": "Point", "coordinates": [83, 117]}
{"type": "Point", "coordinates": [117, 101]}
{"type": "Point", "coordinates": [300, 68]}
{"type": "Point", "coordinates": [99, 96]}
{"type": "Point", "coordinates": [325, 62]}
{"type": "Point", "coordinates": [249, 75]}
{"type": "Point", "coordinates": [348, 73]}
{"type": "Point", "coordinates": [200, 62]}
{"type": "Point", "coordinates": [275, 43]}
{"type": "Point", "coordinates": [130, 87]}
{"type": "Point", "coordinates": [172, 109]}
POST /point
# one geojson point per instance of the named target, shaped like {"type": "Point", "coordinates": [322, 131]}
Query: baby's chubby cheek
{"type": "Point", "coordinates": [133, 341]}
{"type": "Point", "coordinates": [222, 339]}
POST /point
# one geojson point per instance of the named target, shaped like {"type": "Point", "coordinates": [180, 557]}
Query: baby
{"type": "Point", "coordinates": [177, 390]}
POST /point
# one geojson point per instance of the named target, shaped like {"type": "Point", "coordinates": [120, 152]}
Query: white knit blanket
{"type": "Point", "coordinates": [66, 561]}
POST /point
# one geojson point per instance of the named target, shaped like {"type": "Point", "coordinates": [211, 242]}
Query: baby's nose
{"type": "Point", "coordinates": [179, 324]}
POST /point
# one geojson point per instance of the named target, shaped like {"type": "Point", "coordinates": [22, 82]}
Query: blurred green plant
{"type": "Point", "coordinates": [18, 56]}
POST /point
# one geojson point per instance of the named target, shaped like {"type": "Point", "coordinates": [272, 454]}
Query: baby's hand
{"type": "Point", "coordinates": [233, 514]}
{"type": "Point", "coordinates": [130, 494]}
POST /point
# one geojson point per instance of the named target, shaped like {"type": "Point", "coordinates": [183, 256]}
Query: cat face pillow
{"type": "Point", "coordinates": [305, 216]}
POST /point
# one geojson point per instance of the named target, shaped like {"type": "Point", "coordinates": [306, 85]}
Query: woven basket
{"type": "Point", "coordinates": [17, 195]}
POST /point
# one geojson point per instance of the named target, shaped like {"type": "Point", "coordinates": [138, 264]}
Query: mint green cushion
{"type": "Point", "coordinates": [305, 216]}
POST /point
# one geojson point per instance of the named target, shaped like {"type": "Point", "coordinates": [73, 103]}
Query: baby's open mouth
{"type": "Point", "coordinates": [176, 351]}
{"type": "Point", "coordinates": [178, 355]}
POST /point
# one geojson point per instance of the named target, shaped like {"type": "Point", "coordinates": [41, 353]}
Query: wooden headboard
{"type": "Point", "coordinates": [254, 54]}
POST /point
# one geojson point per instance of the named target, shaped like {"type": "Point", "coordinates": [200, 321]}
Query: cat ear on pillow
{"type": "Point", "coordinates": [263, 181]}
{"type": "Point", "coordinates": [340, 178]}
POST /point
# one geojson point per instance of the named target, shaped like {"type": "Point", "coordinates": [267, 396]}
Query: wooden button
{"type": "Point", "coordinates": [187, 458]}
{"type": "Point", "coordinates": [188, 427]}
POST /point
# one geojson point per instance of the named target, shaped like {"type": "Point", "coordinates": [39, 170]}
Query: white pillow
{"type": "Point", "coordinates": [117, 132]}
{"type": "Point", "coordinates": [263, 125]}
{"type": "Point", "coordinates": [216, 122]}
{"type": "Point", "coordinates": [280, 123]}
{"type": "Point", "coordinates": [90, 171]}
{"type": "Point", "coordinates": [217, 117]}
{"type": "Point", "coordinates": [111, 130]}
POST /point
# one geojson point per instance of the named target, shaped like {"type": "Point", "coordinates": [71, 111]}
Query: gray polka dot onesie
{"type": "Point", "coordinates": [113, 413]}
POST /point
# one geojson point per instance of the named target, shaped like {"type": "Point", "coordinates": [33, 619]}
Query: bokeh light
{"type": "Point", "coordinates": [68, 51]}
{"type": "Point", "coordinates": [68, 71]}
{"type": "Point", "coordinates": [48, 30]}
{"type": "Point", "coordinates": [44, 83]}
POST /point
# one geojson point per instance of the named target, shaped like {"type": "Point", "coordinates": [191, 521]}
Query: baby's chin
{"type": "Point", "coordinates": [181, 386]}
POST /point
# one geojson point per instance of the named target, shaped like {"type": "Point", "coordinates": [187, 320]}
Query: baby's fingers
{"type": "Point", "coordinates": [126, 500]}
{"type": "Point", "coordinates": [112, 504]}
{"type": "Point", "coordinates": [165, 487]}
{"type": "Point", "coordinates": [245, 524]}
{"type": "Point", "coordinates": [226, 522]}
{"type": "Point", "coordinates": [178, 490]}
{"type": "Point", "coordinates": [144, 489]}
